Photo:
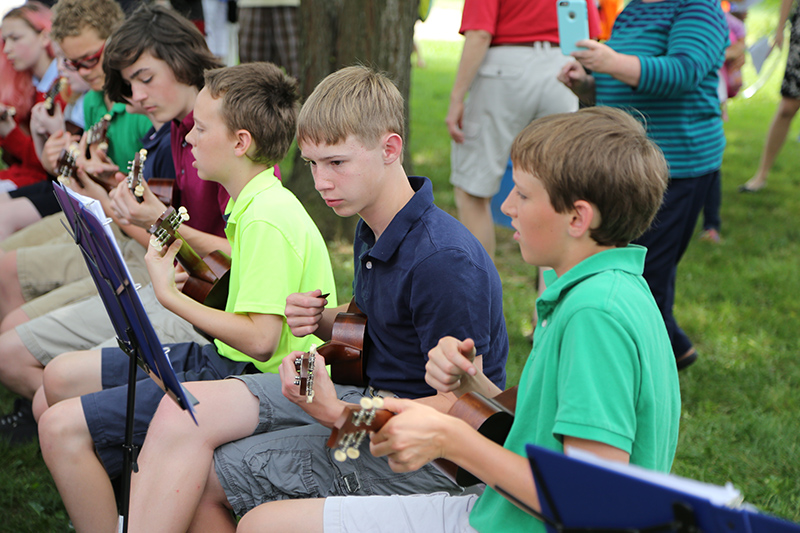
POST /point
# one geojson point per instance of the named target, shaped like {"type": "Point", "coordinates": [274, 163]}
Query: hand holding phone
{"type": "Point", "coordinates": [573, 24]}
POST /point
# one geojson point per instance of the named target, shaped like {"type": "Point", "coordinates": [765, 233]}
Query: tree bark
{"type": "Point", "coordinates": [340, 33]}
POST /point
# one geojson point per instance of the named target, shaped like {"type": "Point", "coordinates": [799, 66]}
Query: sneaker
{"type": "Point", "coordinates": [710, 235]}
{"type": "Point", "coordinates": [19, 427]}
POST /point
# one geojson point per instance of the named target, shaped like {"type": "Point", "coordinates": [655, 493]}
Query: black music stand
{"type": "Point", "coordinates": [135, 333]}
{"type": "Point", "coordinates": [581, 493]}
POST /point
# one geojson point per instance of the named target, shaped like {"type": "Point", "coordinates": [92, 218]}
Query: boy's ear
{"type": "Point", "coordinates": [392, 148]}
{"type": "Point", "coordinates": [585, 217]}
{"type": "Point", "coordinates": [244, 140]}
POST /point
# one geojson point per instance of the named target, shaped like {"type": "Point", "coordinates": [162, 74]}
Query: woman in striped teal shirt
{"type": "Point", "coordinates": [661, 64]}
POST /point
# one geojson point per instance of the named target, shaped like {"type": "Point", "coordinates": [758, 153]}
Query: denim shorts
{"type": "Point", "coordinates": [105, 411]}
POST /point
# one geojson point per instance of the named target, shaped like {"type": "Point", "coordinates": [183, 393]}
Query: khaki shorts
{"type": "Point", "coordinates": [55, 275]}
{"type": "Point", "coordinates": [85, 325]}
{"type": "Point", "coordinates": [514, 86]}
{"type": "Point", "coordinates": [47, 230]}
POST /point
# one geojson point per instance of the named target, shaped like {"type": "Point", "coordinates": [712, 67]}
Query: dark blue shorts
{"type": "Point", "coordinates": [105, 410]}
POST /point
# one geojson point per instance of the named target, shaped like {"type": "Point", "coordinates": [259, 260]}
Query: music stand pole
{"type": "Point", "coordinates": [131, 450]}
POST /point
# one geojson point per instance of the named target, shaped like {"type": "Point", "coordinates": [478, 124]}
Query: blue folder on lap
{"type": "Point", "coordinates": [581, 492]}
{"type": "Point", "coordinates": [135, 333]}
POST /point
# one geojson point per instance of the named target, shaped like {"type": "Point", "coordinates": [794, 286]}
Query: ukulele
{"type": "Point", "coordinates": [98, 134]}
{"type": "Point", "coordinates": [61, 87]}
{"type": "Point", "coordinates": [344, 352]}
{"type": "Point", "coordinates": [52, 93]}
{"type": "Point", "coordinates": [7, 113]}
{"type": "Point", "coordinates": [162, 189]}
{"type": "Point", "coordinates": [136, 175]}
{"type": "Point", "coordinates": [66, 166]}
{"type": "Point", "coordinates": [491, 417]}
{"type": "Point", "coordinates": [208, 276]}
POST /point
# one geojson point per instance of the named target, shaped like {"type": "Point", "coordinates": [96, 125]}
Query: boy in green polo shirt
{"type": "Point", "coordinates": [244, 122]}
{"type": "Point", "coordinates": [601, 375]}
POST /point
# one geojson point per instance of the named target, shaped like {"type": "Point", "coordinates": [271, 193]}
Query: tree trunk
{"type": "Point", "coordinates": [340, 33]}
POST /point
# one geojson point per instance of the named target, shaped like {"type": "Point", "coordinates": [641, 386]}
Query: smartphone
{"type": "Point", "coordinates": [573, 24]}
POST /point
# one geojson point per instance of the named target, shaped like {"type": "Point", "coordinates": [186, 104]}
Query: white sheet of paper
{"type": "Point", "coordinates": [96, 209]}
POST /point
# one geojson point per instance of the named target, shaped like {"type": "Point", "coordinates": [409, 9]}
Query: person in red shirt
{"type": "Point", "coordinates": [27, 70]}
{"type": "Point", "coordinates": [509, 65]}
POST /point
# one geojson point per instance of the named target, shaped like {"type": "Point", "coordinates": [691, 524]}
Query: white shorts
{"type": "Point", "coordinates": [514, 86]}
{"type": "Point", "coordinates": [420, 513]}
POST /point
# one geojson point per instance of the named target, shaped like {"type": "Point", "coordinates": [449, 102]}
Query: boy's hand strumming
{"type": "Point", "coordinates": [414, 437]}
{"type": "Point", "coordinates": [304, 311]}
{"type": "Point", "coordinates": [450, 364]}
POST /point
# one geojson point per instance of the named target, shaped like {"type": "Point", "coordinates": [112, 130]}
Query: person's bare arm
{"type": "Point", "coordinates": [453, 367]}
{"type": "Point", "coordinates": [418, 435]}
{"type": "Point", "coordinates": [476, 43]}
{"type": "Point", "coordinates": [254, 334]}
{"type": "Point", "coordinates": [128, 210]}
{"type": "Point", "coordinates": [786, 8]}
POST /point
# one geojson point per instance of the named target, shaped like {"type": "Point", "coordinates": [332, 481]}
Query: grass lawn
{"type": "Point", "coordinates": [738, 301]}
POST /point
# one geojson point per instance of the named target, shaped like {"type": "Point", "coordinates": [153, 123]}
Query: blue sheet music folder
{"type": "Point", "coordinates": [582, 492]}
{"type": "Point", "coordinates": [110, 274]}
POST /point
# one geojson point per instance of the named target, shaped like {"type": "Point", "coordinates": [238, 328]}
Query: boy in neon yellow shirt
{"type": "Point", "coordinates": [276, 250]}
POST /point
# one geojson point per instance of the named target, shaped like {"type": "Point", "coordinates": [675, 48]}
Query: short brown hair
{"type": "Point", "coordinates": [601, 155]}
{"type": "Point", "coordinates": [72, 17]}
{"type": "Point", "coordinates": [260, 98]}
{"type": "Point", "coordinates": [166, 35]}
{"type": "Point", "coordinates": [352, 101]}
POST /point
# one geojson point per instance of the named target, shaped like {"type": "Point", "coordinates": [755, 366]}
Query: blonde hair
{"type": "Point", "coordinates": [601, 155]}
{"type": "Point", "coordinates": [352, 101]}
{"type": "Point", "coordinates": [72, 17]}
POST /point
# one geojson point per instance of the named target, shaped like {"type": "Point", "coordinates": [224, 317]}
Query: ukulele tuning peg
{"type": "Point", "coordinates": [340, 455]}
{"type": "Point", "coordinates": [297, 380]}
{"type": "Point", "coordinates": [366, 403]}
{"type": "Point", "coordinates": [377, 402]}
{"type": "Point", "coordinates": [139, 190]}
{"type": "Point", "coordinates": [156, 243]}
{"type": "Point", "coordinates": [183, 213]}
{"type": "Point", "coordinates": [353, 453]}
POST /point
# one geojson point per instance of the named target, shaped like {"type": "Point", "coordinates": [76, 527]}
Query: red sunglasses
{"type": "Point", "coordinates": [86, 62]}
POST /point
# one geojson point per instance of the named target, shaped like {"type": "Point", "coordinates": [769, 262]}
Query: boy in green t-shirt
{"type": "Point", "coordinates": [601, 375]}
{"type": "Point", "coordinates": [244, 120]}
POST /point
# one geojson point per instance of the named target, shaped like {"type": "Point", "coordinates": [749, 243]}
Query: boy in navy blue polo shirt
{"type": "Point", "coordinates": [419, 275]}
{"type": "Point", "coordinates": [601, 376]}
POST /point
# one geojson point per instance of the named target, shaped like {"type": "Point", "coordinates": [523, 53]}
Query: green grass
{"type": "Point", "coordinates": [737, 300]}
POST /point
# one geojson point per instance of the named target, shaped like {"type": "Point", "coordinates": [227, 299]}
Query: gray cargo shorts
{"type": "Point", "coordinates": [287, 457]}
